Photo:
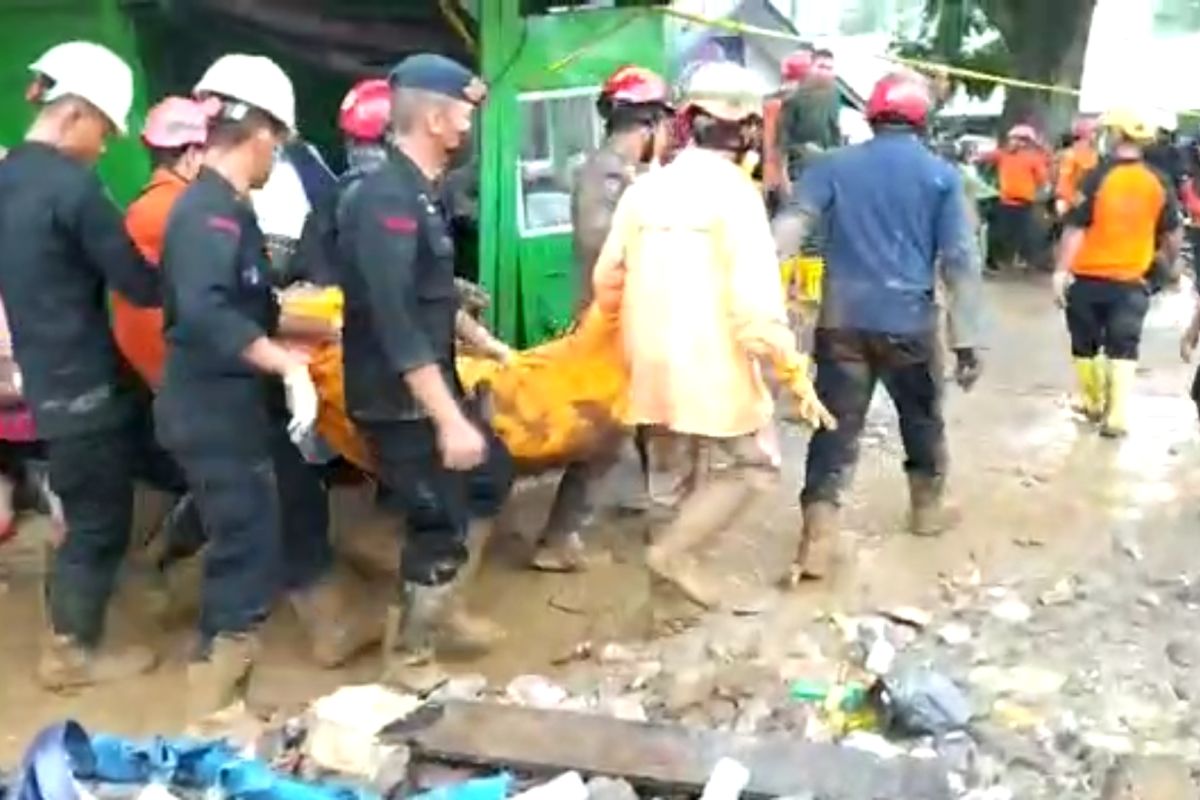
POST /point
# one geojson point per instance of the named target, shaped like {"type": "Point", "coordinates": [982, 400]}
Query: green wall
{"type": "Point", "coordinates": [27, 28]}
{"type": "Point", "coordinates": [532, 279]}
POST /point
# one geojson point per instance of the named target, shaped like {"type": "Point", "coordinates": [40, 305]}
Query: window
{"type": "Point", "coordinates": [558, 130]}
{"type": "Point", "coordinates": [1176, 16]}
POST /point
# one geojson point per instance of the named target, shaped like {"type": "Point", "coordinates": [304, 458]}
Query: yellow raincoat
{"type": "Point", "coordinates": [551, 404]}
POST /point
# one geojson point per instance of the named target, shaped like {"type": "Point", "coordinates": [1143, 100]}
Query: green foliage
{"type": "Point", "coordinates": [946, 36]}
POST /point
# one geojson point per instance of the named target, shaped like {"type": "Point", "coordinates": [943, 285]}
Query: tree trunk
{"type": "Point", "coordinates": [1047, 41]}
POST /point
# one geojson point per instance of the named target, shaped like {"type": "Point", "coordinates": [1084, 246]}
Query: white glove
{"type": "Point", "coordinates": [1061, 282]}
{"type": "Point", "coordinates": [302, 402]}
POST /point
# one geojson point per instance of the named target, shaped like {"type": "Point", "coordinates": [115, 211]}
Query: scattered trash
{"type": "Point", "coordinates": [880, 658]}
{"type": "Point", "coordinates": [568, 786]}
{"type": "Point", "coordinates": [602, 788]}
{"type": "Point", "coordinates": [1012, 610]}
{"type": "Point", "coordinates": [343, 728]}
{"type": "Point", "coordinates": [955, 633]}
{"type": "Point", "coordinates": [461, 687]}
{"type": "Point", "coordinates": [728, 779]}
{"type": "Point", "coordinates": [872, 743]}
{"type": "Point", "coordinates": [535, 691]}
{"type": "Point", "coordinates": [917, 702]}
{"type": "Point", "coordinates": [614, 653]}
{"type": "Point", "coordinates": [1062, 593]}
{"type": "Point", "coordinates": [1023, 681]}
{"type": "Point", "coordinates": [1015, 716]}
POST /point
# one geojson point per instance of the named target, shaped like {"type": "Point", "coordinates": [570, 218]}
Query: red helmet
{"type": "Point", "coordinates": [796, 66]}
{"type": "Point", "coordinates": [366, 111]}
{"type": "Point", "coordinates": [635, 86]}
{"type": "Point", "coordinates": [900, 97]}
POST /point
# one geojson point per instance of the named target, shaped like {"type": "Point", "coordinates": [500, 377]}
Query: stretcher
{"type": "Point", "coordinates": [550, 405]}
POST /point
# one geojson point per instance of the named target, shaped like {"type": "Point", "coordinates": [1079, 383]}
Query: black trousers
{"type": "Point", "coordinates": [849, 364]}
{"type": "Point", "coordinates": [1106, 317]}
{"type": "Point", "coordinates": [1014, 231]}
{"type": "Point", "coordinates": [265, 513]}
{"type": "Point", "coordinates": [93, 475]}
{"type": "Point", "coordinates": [437, 504]}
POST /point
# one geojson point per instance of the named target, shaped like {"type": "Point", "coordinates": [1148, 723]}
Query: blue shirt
{"type": "Point", "coordinates": [889, 208]}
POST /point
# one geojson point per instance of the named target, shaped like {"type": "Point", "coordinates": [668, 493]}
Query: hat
{"type": "Point", "coordinates": [440, 75]}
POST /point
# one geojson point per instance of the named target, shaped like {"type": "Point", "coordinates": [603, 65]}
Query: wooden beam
{"type": "Point", "coordinates": [658, 757]}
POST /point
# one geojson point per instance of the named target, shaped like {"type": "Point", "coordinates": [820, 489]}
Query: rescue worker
{"type": "Point", "coordinates": [363, 121]}
{"type": "Point", "coordinates": [1074, 163]}
{"type": "Point", "coordinates": [810, 118]}
{"type": "Point", "coordinates": [446, 472]}
{"type": "Point", "coordinates": [894, 212]}
{"type": "Point", "coordinates": [793, 71]}
{"type": "Point", "coordinates": [690, 267]}
{"type": "Point", "coordinates": [174, 134]}
{"type": "Point", "coordinates": [63, 246]}
{"type": "Point", "coordinates": [1022, 174]}
{"type": "Point", "coordinates": [264, 510]}
{"type": "Point", "coordinates": [634, 106]}
{"type": "Point", "coordinates": [1128, 211]}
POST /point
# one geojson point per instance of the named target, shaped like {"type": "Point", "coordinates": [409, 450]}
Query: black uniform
{"type": "Point", "coordinates": [225, 421]}
{"type": "Point", "coordinates": [397, 273]}
{"type": "Point", "coordinates": [64, 245]}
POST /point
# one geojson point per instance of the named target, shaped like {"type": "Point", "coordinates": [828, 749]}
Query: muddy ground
{"type": "Point", "coordinates": [1044, 498]}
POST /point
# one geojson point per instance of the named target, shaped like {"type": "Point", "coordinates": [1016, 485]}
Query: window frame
{"type": "Point", "coordinates": [544, 95]}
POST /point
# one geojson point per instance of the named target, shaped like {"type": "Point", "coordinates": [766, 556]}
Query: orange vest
{"type": "Point", "coordinates": [139, 331]}
{"type": "Point", "coordinates": [1022, 174]}
{"type": "Point", "coordinates": [1075, 162]}
{"type": "Point", "coordinates": [772, 168]}
{"type": "Point", "coordinates": [1123, 208]}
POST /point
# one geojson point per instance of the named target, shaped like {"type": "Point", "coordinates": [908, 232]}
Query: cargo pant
{"type": "Point", "coordinates": [437, 504]}
{"type": "Point", "coordinates": [265, 513]}
{"type": "Point", "coordinates": [93, 474]}
{"type": "Point", "coordinates": [849, 365]}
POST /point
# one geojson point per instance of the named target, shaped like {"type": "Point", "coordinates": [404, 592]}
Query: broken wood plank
{"type": "Point", "coordinates": [660, 757]}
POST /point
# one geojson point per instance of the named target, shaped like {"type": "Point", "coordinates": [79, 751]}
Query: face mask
{"type": "Point", "coordinates": [461, 155]}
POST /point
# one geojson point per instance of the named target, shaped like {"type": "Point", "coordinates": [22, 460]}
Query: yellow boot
{"type": "Point", "coordinates": [1120, 385]}
{"type": "Point", "coordinates": [1090, 401]}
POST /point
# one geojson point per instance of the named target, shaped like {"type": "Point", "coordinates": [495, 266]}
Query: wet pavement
{"type": "Point", "coordinates": [1103, 529]}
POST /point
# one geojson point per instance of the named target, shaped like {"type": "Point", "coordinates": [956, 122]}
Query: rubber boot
{"type": "Point", "coordinates": [409, 662]}
{"type": "Point", "coordinates": [1090, 401]}
{"type": "Point", "coordinates": [1121, 374]}
{"type": "Point", "coordinates": [460, 631]}
{"type": "Point", "coordinates": [707, 512]}
{"type": "Point", "coordinates": [65, 665]}
{"type": "Point", "coordinates": [336, 618]}
{"type": "Point", "coordinates": [929, 515]}
{"type": "Point", "coordinates": [220, 680]}
{"type": "Point", "coordinates": [816, 555]}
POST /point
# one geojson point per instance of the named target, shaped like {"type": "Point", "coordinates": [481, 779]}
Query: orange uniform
{"type": "Point", "coordinates": [139, 331]}
{"type": "Point", "coordinates": [1022, 173]}
{"type": "Point", "coordinates": [1076, 162]}
{"type": "Point", "coordinates": [1125, 206]}
{"type": "Point", "coordinates": [772, 165]}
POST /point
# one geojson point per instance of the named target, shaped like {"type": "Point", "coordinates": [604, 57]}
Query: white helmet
{"type": "Point", "coordinates": [726, 91]}
{"type": "Point", "coordinates": [254, 80]}
{"type": "Point", "coordinates": [90, 72]}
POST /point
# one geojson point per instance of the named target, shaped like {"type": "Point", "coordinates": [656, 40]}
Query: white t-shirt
{"type": "Point", "coordinates": [281, 204]}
